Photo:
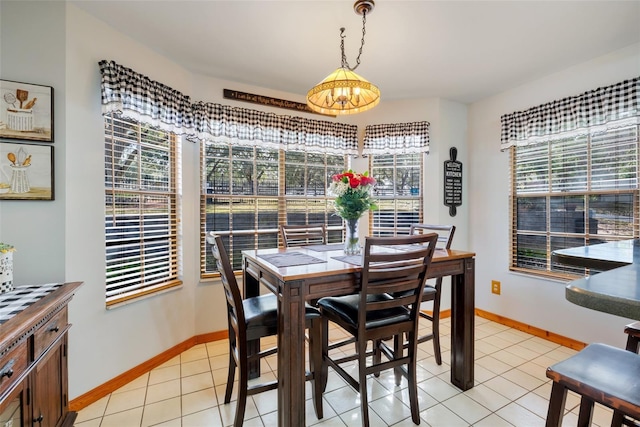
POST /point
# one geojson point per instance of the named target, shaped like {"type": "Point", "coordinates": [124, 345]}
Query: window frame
{"type": "Point", "coordinates": [375, 230]}
{"type": "Point", "coordinates": [552, 197]}
{"type": "Point", "coordinates": [168, 265]}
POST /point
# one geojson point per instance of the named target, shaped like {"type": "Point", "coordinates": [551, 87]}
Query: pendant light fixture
{"type": "Point", "coordinates": [343, 91]}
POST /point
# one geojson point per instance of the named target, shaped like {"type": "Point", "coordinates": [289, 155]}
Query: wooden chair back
{"type": "Point", "coordinates": [401, 272]}
{"type": "Point", "coordinates": [445, 233]}
{"type": "Point", "coordinates": [303, 235]}
{"type": "Point", "coordinates": [235, 310]}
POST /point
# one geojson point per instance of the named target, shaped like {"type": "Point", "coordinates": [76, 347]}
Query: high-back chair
{"type": "Point", "coordinates": [250, 319]}
{"type": "Point", "coordinates": [373, 314]}
{"type": "Point", "coordinates": [303, 235]}
{"type": "Point", "coordinates": [445, 236]}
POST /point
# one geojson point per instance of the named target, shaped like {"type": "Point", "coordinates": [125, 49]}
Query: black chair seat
{"type": "Point", "coordinates": [261, 313]}
{"type": "Point", "coordinates": [428, 293]}
{"type": "Point", "coordinates": [347, 308]}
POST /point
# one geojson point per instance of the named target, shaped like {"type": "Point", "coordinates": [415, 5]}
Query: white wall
{"type": "Point", "coordinates": [448, 128]}
{"type": "Point", "coordinates": [36, 228]}
{"type": "Point", "coordinates": [534, 301]}
{"type": "Point", "coordinates": [63, 239]}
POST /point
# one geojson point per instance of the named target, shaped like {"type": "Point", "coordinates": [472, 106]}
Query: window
{"type": "Point", "coordinates": [574, 175]}
{"type": "Point", "coordinates": [141, 209]}
{"type": "Point", "coordinates": [573, 191]}
{"type": "Point", "coordinates": [398, 191]}
{"type": "Point", "coordinates": [248, 191]}
{"type": "Point", "coordinates": [398, 175]}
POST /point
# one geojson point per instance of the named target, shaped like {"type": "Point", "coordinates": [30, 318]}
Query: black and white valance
{"type": "Point", "coordinates": [223, 123]}
{"type": "Point", "coordinates": [604, 108]}
{"type": "Point", "coordinates": [396, 138]}
{"type": "Point", "coordinates": [137, 97]}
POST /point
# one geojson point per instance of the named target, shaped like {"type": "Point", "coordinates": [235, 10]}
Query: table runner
{"type": "Point", "coordinates": [290, 259]}
{"type": "Point", "coordinates": [13, 302]}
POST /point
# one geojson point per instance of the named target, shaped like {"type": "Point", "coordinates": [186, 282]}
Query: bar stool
{"type": "Point", "coordinates": [633, 336]}
{"type": "Point", "coordinates": [599, 374]}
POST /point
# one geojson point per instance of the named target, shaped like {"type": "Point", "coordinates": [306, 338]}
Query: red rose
{"type": "Point", "coordinates": [367, 180]}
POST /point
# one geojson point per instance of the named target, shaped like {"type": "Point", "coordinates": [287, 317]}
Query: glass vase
{"type": "Point", "coordinates": [351, 242]}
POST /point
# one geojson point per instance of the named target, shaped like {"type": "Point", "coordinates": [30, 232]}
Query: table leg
{"type": "Point", "coordinates": [462, 326]}
{"type": "Point", "coordinates": [251, 288]}
{"type": "Point", "coordinates": [291, 355]}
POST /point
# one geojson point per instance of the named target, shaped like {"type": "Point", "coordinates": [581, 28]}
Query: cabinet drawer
{"type": "Point", "coordinates": [13, 364]}
{"type": "Point", "coordinates": [48, 333]}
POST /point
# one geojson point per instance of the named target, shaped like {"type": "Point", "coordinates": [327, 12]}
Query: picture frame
{"type": "Point", "coordinates": [26, 171]}
{"type": "Point", "coordinates": [26, 111]}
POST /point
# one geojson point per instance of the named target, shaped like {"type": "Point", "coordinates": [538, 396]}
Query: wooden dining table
{"type": "Point", "coordinates": [302, 274]}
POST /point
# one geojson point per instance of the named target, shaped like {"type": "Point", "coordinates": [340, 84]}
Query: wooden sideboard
{"type": "Point", "coordinates": [33, 356]}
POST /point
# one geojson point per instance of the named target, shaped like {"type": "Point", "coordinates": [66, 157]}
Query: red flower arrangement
{"type": "Point", "coordinates": [353, 194]}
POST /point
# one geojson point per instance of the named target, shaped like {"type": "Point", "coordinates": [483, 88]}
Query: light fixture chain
{"type": "Point", "coordinates": [345, 64]}
{"type": "Point", "coordinates": [364, 21]}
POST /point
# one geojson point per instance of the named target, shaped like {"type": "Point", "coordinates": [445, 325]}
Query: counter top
{"type": "Point", "coordinates": [616, 290]}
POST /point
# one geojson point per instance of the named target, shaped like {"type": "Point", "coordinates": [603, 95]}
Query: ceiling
{"type": "Point", "coordinates": [458, 50]}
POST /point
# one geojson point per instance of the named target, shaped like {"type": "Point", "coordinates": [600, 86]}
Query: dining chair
{"type": "Point", "coordinates": [432, 293]}
{"type": "Point", "coordinates": [373, 314]}
{"type": "Point", "coordinates": [251, 319]}
{"type": "Point", "coordinates": [303, 235]}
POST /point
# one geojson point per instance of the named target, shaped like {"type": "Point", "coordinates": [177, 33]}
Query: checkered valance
{"type": "Point", "coordinates": [396, 138]}
{"type": "Point", "coordinates": [137, 97]}
{"type": "Point", "coordinates": [597, 110]}
{"type": "Point", "coordinates": [236, 125]}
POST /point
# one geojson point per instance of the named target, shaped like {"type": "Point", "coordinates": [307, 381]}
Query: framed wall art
{"type": "Point", "coordinates": [26, 171]}
{"type": "Point", "coordinates": [26, 111]}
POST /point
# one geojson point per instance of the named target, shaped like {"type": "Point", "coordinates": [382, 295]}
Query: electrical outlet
{"type": "Point", "coordinates": [495, 287]}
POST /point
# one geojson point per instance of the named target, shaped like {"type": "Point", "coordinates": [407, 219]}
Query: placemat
{"type": "Point", "coordinates": [13, 302]}
{"type": "Point", "coordinates": [290, 259]}
{"type": "Point", "coordinates": [325, 248]}
{"type": "Point", "coordinates": [351, 259]}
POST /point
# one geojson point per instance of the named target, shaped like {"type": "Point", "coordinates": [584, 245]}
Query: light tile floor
{"type": "Point", "coordinates": [511, 389]}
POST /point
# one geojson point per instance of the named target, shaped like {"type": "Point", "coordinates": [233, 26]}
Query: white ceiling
{"type": "Point", "coordinates": [457, 50]}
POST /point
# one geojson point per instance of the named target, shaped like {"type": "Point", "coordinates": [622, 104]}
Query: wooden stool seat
{"type": "Point", "coordinates": [599, 373]}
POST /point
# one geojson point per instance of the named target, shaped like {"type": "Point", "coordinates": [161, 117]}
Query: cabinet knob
{"type": "Point", "coordinates": [54, 329]}
{"type": "Point", "coordinates": [39, 419]}
{"type": "Point", "coordinates": [6, 373]}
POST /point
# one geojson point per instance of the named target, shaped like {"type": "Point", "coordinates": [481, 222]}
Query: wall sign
{"type": "Point", "coordinates": [452, 182]}
{"type": "Point", "coordinates": [267, 100]}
